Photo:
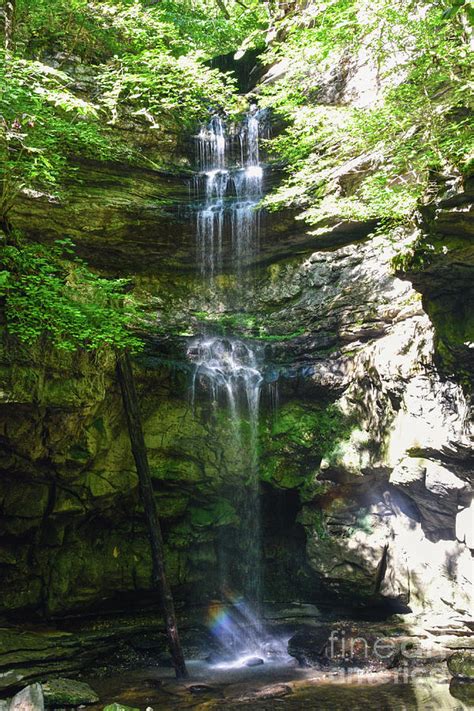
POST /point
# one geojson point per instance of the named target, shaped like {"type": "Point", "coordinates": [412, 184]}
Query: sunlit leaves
{"type": "Point", "coordinates": [160, 87]}
{"type": "Point", "coordinates": [96, 31]}
{"type": "Point", "coordinates": [417, 122]}
{"type": "Point", "coordinates": [47, 296]}
{"type": "Point", "coordinates": [42, 124]}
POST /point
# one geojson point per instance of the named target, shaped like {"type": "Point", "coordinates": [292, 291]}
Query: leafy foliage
{"type": "Point", "coordinates": [164, 89]}
{"type": "Point", "coordinates": [144, 59]}
{"type": "Point", "coordinates": [369, 159]}
{"type": "Point", "coordinates": [149, 62]}
{"type": "Point", "coordinates": [374, 158]}
{"type": "Point", "coordinates": [49, 293]}
{"type": "Point", "coordinates": [42, 124]}
{"type": "Point", "coordinates": [97, 31]}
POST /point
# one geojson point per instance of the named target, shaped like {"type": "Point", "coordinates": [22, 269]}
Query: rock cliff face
{"type": "Point", "coordinates": [366, 462]}
{"type": "Point", "coordinates": [440, 266]}
{"type": "Point", "coordinates": [367, 456]}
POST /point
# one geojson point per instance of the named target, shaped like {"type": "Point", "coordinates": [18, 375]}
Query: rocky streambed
{"type": "Point", "coordinates": [310, 657]}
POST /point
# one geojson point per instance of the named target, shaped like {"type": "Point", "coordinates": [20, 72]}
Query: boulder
{"type": "Point", "coordinates": [463, 691]}
{"type": "Point", "coordinates": [254, 662]}
{"type": "Point", "coordinates": [267, 693]}
{"type": "Point", "coordinates": [344, 645]}
{"type": "Point", "coordinates": [119, 707]}
{"type": "Point", "coordinates": [435, 490]}
{"type": "Point", "coordinates": [308, 645]}
{"type": "Point", "coordinates": [201, 689]}
{"type": "Point", "coordinates": [68, 692]}
{"type": "Point", "coordinates": [29, 699]}
{"type": "Point", "coordinates": [461, 665]}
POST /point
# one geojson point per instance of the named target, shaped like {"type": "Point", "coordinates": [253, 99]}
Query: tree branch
{"type": "Point", "coordinates": [223, 9]}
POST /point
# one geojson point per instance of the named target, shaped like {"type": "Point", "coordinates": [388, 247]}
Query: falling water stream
{"type": "Point", "coordinates": [227, 218]}
{"type": "Point", "coordinates": [229, 370]}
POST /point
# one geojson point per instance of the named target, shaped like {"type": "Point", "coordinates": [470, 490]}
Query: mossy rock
{"type": "Point", "coordinates": [68, 692]}
{"type": "Point", "coordinates": [221, 513]}
{"type": "Point", "coordinates": [296, 440]}
{"type": "Point", "coordinates": [119, 707]}
{"type": "Point", "coordinates": [461, 665]}
{"type": "Point", "coordinates": [171, 505]}
{"type": "Point", "coordinates": [463, 691]}
{"type": "Point", "coordinates": [185, 535]}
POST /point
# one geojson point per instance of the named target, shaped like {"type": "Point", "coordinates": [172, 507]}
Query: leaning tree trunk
{"type": "Point", "coordinates": [132, 412]}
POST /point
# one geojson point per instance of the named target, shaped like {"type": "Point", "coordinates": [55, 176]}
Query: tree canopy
{"type": "Point", "coordinates": [419, 124]}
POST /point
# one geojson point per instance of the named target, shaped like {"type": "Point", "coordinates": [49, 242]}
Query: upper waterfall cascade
{"type": "Point", "coordinates": [229, 188]}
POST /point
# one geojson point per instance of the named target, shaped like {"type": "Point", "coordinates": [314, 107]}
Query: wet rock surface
{"type": "Point", "coordinates": [254, 662]}
{"type": "Point", "coordinates": [67, 692]}
{"type": "Point", "coordinates": [366, 466]}
{"type": "Point", "coordinates": [29, 699]}
{"type": "Point", "coordinates": [201, 689]}
{"type": "Point", "coordinates": [368, 454]}
{"type": "Point", "coordinates": [364, 646]}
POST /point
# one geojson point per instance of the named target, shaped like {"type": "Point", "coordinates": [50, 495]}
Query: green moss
{"type": "Point", "coordinates": [249, 324]}
{"type": "Point", "coordinates": [185, 536]}
{"type": "Point", "coordinates": [174, 469]}
{"type": "Point", "coordinates": [108, 483]}
{"type": "Point", "coordinates": [98, 425]}
{"type": "Point", "coordinates": [294, 443]}
{"type": "Point", "coordinates": [79, 452]}
{"type": "Point", "coordinates": [23, 506]}
{"type": "Point", "coordinates": [454, 321]}
{"type": "Point", "coordinates": [363, 522]}
{"type": "Point", "coordinates": [273, 337]}
{"type": "Point", "coordinates": [221, 513]}
{"type": "Point", "coordinates": [68, 692]}
{"type": "Point", "coordinates": [171, 505]}
{"type": "Point", "coordinates": [315, 520]}
{"type": "Point", "coordinates": [461, 665]}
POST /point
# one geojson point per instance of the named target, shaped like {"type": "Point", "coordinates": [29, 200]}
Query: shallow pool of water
{"type": "Point", "coordinates": [281, 686]}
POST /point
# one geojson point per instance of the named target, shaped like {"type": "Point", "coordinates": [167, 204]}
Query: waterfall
{"type": "Point", "coordinates": [228, 192]}
{"type": "Point", "coordinates": [228, 188]}
{"type": "Point", "coordinates": [253, 134]}
{"type": "Point", "coordinates": [211, 145]}
{"type": "Point", "coordinates": [230, 371]}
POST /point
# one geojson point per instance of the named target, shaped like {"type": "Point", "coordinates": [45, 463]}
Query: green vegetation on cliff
{"type": "Point", "coordinates": [360, 152]}
{"type": "Point", "coordinates": [77, 81]}
{"type": "Point", "coordinates": [73, 70]}
{"type": "Point", "coordinates": [48, 295]}
{"type": "Point", "coordinates": [74, 75]}
{"type": "Point", "coordinates": [96, 31]}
